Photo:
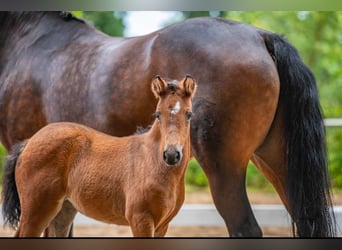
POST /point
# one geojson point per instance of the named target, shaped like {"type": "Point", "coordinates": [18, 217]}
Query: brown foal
{"type": "Point", "coordinates": [135, 180]}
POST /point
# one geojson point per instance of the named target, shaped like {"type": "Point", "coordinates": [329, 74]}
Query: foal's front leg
{"type": "Point", "coordinates": [141, 224]}
{"type": "Point", "coordinates": [161, 230]}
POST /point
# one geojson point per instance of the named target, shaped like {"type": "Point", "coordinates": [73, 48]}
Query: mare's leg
{"type": "Point", "coordinates": [225, 132]}
{"type": "Point", "coordinates": [61, 224]}
{"type": "Point", "coordinates": [224, 159]}
{"type": "Point", "coordinates": [270, 159]}
{"type": "Point", "coordinates": [226, 177]}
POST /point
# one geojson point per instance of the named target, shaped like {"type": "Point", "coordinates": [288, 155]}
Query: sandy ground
{"type": "Point", "coordinates": [191, 198]}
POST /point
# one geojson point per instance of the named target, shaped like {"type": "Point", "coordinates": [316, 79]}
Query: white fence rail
{"type": "Point", "coordinates": [333, 122]}
{"type": "Point", "coordinates": [207, 215]}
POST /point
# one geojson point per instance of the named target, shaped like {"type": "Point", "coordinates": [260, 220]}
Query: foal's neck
{"type": "Point", "coordinates": [152, 137]}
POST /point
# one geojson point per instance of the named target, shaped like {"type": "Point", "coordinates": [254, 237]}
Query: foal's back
{"type": "Point", "coordinates": [68, 141]}
{"type": "Point", "coordinates": [71, 148]}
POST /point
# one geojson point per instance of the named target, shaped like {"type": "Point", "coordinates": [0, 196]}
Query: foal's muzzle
{"type": "Point", "coordinates": [172, 155]}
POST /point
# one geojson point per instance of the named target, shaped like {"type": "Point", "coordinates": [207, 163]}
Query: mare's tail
{"type": "Point", "coordinates": [308, 177]}
{"type": "Point", "coordinates": [10, 199]}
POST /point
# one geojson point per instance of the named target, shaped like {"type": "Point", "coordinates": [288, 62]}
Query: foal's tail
{"type": "Point", "coordinates": [308, 178]}
{"type": "Point", "coordinates": [10, 199]}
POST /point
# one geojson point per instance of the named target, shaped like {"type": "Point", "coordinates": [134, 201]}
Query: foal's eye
{"type": "Point", "coordinates": [188, 115]}
{"type": "Point", "coordinates": [157, 115]}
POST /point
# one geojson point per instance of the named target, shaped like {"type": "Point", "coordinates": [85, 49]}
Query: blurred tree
{"type": "Point", "coordinates": [316, 35]}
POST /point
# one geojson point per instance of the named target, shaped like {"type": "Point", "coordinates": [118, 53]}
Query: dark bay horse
{"type": "Point", "coordinates": [256, 100]}
{"type": "Point", "coordinates": [134, 180]}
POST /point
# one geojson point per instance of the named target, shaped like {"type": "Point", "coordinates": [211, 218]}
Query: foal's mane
{"type": "Point", "coordinates": [142, 130]}
{"type": "Point", "coordinates": [172, 85]}
{"type": "Point", "coordinates": [172, 88]}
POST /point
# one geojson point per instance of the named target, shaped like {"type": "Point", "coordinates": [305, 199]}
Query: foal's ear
{"type": "Point", "coordinates": [189, 86]}
{"type": "Point", "coordinates": [158, 86]}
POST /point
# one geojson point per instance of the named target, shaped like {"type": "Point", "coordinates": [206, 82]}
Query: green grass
{"type": "Point", "coordinates": [254, 179]}
{"type": "Point", "coordinates": [257, 181]}
{"type": "Point", "coordinates": [3, 154]}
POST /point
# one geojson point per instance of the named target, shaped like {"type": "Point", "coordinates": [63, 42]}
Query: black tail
{"type": "Point", "coordinates": [10, 199]}
{"type": "Point", "coordinates": [308, 177]}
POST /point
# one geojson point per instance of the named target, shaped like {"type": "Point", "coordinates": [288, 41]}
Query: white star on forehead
{"type": "Point", "coordinates": [176, 108]}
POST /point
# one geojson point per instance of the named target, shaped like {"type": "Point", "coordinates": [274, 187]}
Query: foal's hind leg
{"type": "Point", "coordinates": [39, 204]}
{"type": "Point", "coordinates": [35, 217]}
{"type": "Point", "coordinates": [61, 224]}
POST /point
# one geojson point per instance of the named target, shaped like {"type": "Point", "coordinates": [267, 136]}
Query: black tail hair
{"type": "Point", "coordinates": [10, 199]}
{"type": "Point", "coordinates": [308, 176]}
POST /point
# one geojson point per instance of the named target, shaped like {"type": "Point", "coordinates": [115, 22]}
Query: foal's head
{"type": "Point", "coordinates": [173, 113]}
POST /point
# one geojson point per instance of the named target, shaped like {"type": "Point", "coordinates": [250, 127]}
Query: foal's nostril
{"type": "Point", "coordinates": [177, 156]}
{"type": "Point", "coordinates": [165, 155]}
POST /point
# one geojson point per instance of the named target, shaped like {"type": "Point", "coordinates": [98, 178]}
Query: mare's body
{"type": "Point", "coordinates": [256, 100]}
